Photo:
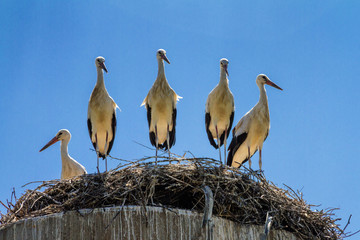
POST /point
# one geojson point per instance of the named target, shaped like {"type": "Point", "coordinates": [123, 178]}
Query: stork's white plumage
{"type": "Point", "coordinates": [101, 115]}
{"type": "Point", "coordinates": [70, 168]}
{"type": "Point", "coordinates": [252, 130]}
{"type": "Point", "coordinates": [160, 104]}
{"type": "Point", "coordinates": [219, 110]}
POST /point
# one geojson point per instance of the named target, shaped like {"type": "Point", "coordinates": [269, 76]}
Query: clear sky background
{"type": "Point", "coordinates": [312, 50]}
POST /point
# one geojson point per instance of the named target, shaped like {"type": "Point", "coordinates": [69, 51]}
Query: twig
{"type": "Point", "coordinates": [347, 224]}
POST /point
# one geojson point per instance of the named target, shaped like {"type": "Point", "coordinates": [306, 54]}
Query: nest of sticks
{"type": "Point", "coordinates": [240, 195]}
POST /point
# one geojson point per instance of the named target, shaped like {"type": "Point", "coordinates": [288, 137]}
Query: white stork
{"type": "Point", "coordinates": [219, 110]}
{"type": "Point", "coordinates": [70, 168]}
{"type": "Point", "coordinates": [160, 104]}
{"type": "Point", "coordinates": [101, 115]}
{"type": "Point", "coordinates": [252, 130]}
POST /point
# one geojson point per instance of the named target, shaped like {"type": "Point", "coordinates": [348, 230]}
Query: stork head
{"type": "Point", "coordinates": [61, 135]}
{"type": "Point", "coordinates": [224, 65]}
{"type": "Point", "coordinates": [100, 63]}
{"type": "Point", "coordinates": [263, 79]}
{"type": "Point", "coordinates": [161, 54]}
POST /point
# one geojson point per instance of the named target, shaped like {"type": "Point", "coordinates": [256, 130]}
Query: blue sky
{"type": "Point", "coordinates": [312, 51]}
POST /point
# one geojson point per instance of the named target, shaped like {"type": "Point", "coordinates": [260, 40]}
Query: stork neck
{"type": "Point", "coordinates": [223, 79]}
{"type": "Point", "coordinates": [161, 70]}
{"type": "Point", "coordinates": [64, 149]}
{"type": "Point", "coordinates": [263, 96]}
{"type": "Point", "coordinates": [100, 77]}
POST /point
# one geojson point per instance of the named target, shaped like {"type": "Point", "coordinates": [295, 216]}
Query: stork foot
{"type": "Point", "coordinates": [259, 172]}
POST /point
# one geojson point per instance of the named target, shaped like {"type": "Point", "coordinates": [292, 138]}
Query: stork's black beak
{"type": "Point", "coordinates": [226, 71]}
{"type": "Point", "coordinates": [102, 65]}
{"type": "Point", "coordinates": [165, 58]}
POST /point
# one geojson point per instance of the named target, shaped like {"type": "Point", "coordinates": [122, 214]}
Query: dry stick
{"type": "Point", "coordinates": [120, 159]}
{"type": "Point", "coordinates": [22, 203]}
{"type": "Point", "coordinates": [139, 162]}
{"type": "Point", "coordinates": [347, 224]}
{"type": "Point", "coordinates": [179, 156]}
{"type": "Point", "coordinates": [143, 145]}
{"type": "Point", "coordinates": [352, 234]}
{"type": "Point", "coordinates": [13, 195]}
{"type": "Point", "coordinates": [8, 208]}
{"type": "Point", "coordinates": [43, 182]}
{"type": "Point", "coordinates": [189, 153]}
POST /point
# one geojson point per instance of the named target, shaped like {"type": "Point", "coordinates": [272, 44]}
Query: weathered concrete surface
{"type": "Point", "coordinates": [131, 222]}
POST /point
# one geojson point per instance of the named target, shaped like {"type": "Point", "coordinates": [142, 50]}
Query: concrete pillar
{"type": "Point", "coordinates": [132, 222]}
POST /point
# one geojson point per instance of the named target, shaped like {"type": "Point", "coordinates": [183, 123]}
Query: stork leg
{"type": "Point", "coordinates": [97, 153]}
{"type": "Point", "coordinates": [157, 144]}
{"type": "Point", "coordinates": [168, 140]}
{"type": "Point", "coordinates": [106, 143]}
{"type": "Point", "coordinates": [225, 146]}
{"type": "Point", "coordinates": [260, 162]}
{"type": "Point", "coordinates": [249, 157]}
{"type": "Point", "coordinates": [218, 142]}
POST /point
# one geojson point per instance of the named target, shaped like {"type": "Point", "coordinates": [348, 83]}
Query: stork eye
{"type": "Point", "coordinates": [60, 134]}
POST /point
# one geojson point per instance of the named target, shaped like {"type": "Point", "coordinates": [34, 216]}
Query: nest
{"type": "Point", "coordinates": [240, 195]}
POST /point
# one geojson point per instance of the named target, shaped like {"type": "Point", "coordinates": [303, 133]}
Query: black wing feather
{"type": "Point", "coordinates": [90, 132]}
{"type": "Point", "coordinates": [151, 134]}
{"type": "Point", "coordinates": [173, 131]}
{"type": "Point", "coordinates": [234, 146]}
{"type": "Point", "coordinates": [113, 128]}
{"type": "Point", "coordinates": [222, 137]}
{"type": "Point", "coordinates": [152, 138]}
{"type": "Point", "coordinates": [210, 136]}
{"type": "Point", "coordinates": [148, 109]}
